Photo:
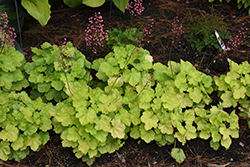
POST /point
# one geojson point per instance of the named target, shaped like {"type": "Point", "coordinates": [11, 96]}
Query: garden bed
{"type": "Point", "coordinates": [71, 24]}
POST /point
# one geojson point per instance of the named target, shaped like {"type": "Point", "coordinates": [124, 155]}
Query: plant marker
{"type": "Point", "coordinates": [222, 45]}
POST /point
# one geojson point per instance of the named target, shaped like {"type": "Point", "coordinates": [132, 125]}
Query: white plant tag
{"type": "Point", "coordinates": [222, 45]}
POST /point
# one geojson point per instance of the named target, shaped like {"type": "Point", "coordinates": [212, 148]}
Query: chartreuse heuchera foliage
{"type": "Point", "coordinates": [51, 70]}
{"type": "Point", "coordinates": [23, 123]}
{"type": "Point", "coordinates": [131, 96]}
{"type": "Point", "coordinates": [12, 76]}
{"type": "Point", "coordinates": [234, 87]}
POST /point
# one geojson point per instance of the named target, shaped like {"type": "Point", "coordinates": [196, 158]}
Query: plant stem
{"type": "Point", "coordinates": [122, 69]}
{"type": "Point", "coordinates": [90, 71]}
{"type": "Point", "coordinates": [67, 82]}
{"type": "Point", "coordinates": [142, 89]}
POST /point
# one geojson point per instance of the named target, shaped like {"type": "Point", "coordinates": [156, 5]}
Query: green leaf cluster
{"type": "Point", "coordinates": [234, 87]}
{"type": "Point", "coordinates": [245, 3]}
{"type": "Point", "coordinates": [46, 75]}
{"type": "Point", "coordinates": [91, 122]}
{"type": "Point", "coordinates": [117, 37]}
{"type": "Point", "coordinates": [133, 97]}
{"type": "Point", "coordinates": [200, 32]}
{"type": "Point", "coordinates": [12, 75]}
{"type": "Point", "coordinates": [23, 125]}
{"type": "Point", "coordinates": [40, 9]}
{"type": "Point", "coordinates": [217, 124]}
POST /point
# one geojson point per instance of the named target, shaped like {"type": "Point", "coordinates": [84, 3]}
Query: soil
{"type": "Point", "coordinates": [71, 24]}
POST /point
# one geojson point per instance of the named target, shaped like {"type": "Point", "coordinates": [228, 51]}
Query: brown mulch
{"type": "Point", "coordinates": [71, 24]}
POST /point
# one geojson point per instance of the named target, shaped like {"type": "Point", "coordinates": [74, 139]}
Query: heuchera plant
{"type": "Point", "coordinates": [53, 67]}
{"type": "Point", "coordinates": [234, 87]}
{"type": "Point", "coordinates": [23, 125]}
{"type": "Point", "coordinates": [94, 121]}
{"type": "Point", "coordinates": [135, 36]}
{"type": "Point", "coordinates": [12, 76]}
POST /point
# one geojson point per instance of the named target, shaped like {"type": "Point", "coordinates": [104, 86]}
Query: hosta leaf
{"type": "Point", "coordinates": [40, 10]}
{"type": "Point", "coordinates": [4, 150]}
{"type": "Point", "coordinates": [150, 120]}
{"type": "Point", "coordinates": [92, 3]}
{"type": "Point", "coordinates": [10, 133]}
{"type": "Point", "coordinates": [121, 4]}
{"type": "Point", "coordinates": [118, 129]}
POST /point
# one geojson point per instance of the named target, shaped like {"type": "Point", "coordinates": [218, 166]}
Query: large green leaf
{"type": "Point", "coordinates": [121, 4]}
{"type": "Point", "coordinates": [72, 3]}
{"type": "Point", "coordinates": [39, 9]}
{"type": "Point", "coordinates": [93, 3]}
